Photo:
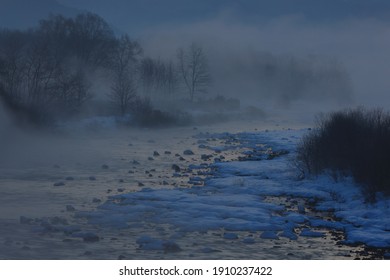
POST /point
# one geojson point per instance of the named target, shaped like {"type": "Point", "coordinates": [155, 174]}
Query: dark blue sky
{"type": "Point", "coordinates": [135, 15]}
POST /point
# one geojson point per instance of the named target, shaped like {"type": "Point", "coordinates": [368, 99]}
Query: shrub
{"type": "Point", "coordinates": [352, 142]}
{"type": "Point", "coordinates": [146, 115]}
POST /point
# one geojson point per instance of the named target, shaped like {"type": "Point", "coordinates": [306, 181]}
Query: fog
{"type": "Point", "coordinates": [360, 47]}
{"type": "Point", "coordinates": [352, 33]}
{"type": "Point", "coordinates": [304, 58]}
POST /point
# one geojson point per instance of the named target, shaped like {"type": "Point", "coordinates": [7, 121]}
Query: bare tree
{"type": "Point", "coordinates": [124, 66]}
{"type": "Point", "coordinates": [158, 77]}
{"type": "Point", "coordinates": [194, 69]}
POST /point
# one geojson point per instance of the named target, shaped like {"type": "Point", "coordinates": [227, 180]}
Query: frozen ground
{"type": "Point", "coordinates": [231, 195]}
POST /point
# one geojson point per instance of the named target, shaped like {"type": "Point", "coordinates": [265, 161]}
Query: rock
{"type": "Point", "coordinates": [156, 154]}
{"type": "Point", "coordinates": [121, 257]}
{"type": "Point", "coordinates": [205, 157]}
{"type": "Point", "coordinates": [150, 158]}
{"type": "Point", "coordinates": [230, 235]}
{"type": "Point", "coordinates": [135, 162]}
{"type": "Point", "coordinates": [171, 247]}
{"type": "Point", "coordinates": [167, 152]}
{"type": "Point", "coordinates": [59, 184]}
{"type": "Point", "coordinates": [71, 229]}
{"type": "Point", "coordinates": [104, 166]}
{"type": "Point", "coordinates": [188, 152]}
{"type": "Point", "coordinates": [181, 158]}
{"type": "Point", "coordinates": [92, 178]}
{"type": "Point", "coordinates": [58, 221]}
{"type": "Point", "coordinates": [176, 167]}
{"type": "Point", "coordinates": [70, 208]}
{"type": "Point", "coordinates": [131, 172]}
{"type": "Point", "coordinates": [56, 166]}
{"type": "Point", "coordinates": [120, 181]}
{"type": "Point", "coordinates": [248, 240]}
{"type": "Point", "coordinates": [165, 183]}
{"type": "Point", "coordinates": [69, 178]}
{"type": "Point", "coordinates": [140, 184]}
{"type": "Point", "coordinates": [151, 141]}
{"type": "Point", "coordinates": [120, 189]}
{"type": "Point", "coordinates": [87, 236]}
{"type": "Point", "coordinates": [25, 220]}
{"type": "Point", "coordinates": [96, 200]}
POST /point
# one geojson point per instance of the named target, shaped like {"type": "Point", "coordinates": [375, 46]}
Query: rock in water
{"type": "Point", "coordinates": [188, 152]}
{"type": "Point", "coordinates": [70, 208]}
{"type": "Point", "coordinates": [176, 167]}
{"type": "Point", "coordinates": [230, 235]}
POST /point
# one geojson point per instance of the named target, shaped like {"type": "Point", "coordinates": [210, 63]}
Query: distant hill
{"type": "Point", "coordinates": [23, 14]}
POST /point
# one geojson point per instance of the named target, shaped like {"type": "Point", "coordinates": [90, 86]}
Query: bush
{"type": "Point", "coordinates": [146, 115]}
{"type": "Point", "coordinates": [353, 142]}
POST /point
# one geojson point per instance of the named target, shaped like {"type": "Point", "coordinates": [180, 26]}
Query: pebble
{"type": "Point", "coordinates": [70, 208]}
{"type": "Point", "coordinates": [176, 167]}
{"type": "Point", "coordinates": [188, 152]}
{"type": "Point", "coordinates": [59, 184]}
{"type": "Point", "coordinates": [25, 220]}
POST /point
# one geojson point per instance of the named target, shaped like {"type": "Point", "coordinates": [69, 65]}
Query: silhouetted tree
{"type": "Point", "coordinates": [194, 69]}
{"type": "Point", "coordinates": [158, 77]}
{"type": "Point", "coordinates": [124, 66]}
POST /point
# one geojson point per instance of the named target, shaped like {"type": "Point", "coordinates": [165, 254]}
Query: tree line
{"type": "Point", "coordinates": [49, 71]}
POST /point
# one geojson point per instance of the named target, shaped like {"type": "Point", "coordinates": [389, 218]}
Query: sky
{"type": "Point", "coordinates": [353, 32]}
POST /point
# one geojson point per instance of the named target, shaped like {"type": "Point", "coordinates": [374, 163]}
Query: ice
{"type": "Point", "coordinates": [309, 233]}
{"type": "Point", "coordinates": [269, 235]}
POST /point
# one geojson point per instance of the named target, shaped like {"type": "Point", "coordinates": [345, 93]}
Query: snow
{"type": "Point", "coordinates": [241, 196]}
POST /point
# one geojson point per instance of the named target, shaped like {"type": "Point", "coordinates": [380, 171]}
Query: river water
{"type": "Point", "coordinates": [47, 178]}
